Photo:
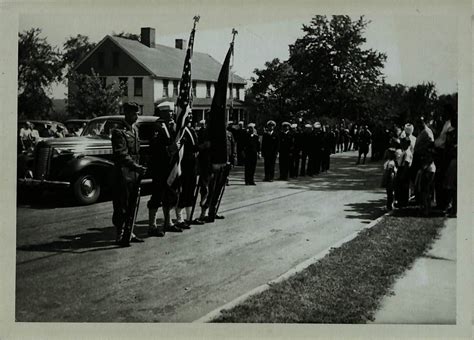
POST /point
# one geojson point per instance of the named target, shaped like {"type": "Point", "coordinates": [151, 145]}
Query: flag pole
{"type": "Point", "coordinates": [234, 33]}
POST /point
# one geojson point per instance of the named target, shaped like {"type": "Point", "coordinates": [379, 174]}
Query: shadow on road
{"type": "Point", "coordinates": [366, 211]}
{"type": "Point", "coordinates": [95, 239]}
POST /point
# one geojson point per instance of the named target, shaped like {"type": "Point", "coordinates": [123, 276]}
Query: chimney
{"type": "Point", "coordinates": [147, 36]}
{"type": "Point", "coordinates": [180, 44]}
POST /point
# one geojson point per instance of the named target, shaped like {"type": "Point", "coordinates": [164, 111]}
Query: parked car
{"type": "Point", "coordinates": [84, 164]}
{"type": "Point", "coordinates": [75, 126]}
{"type": "Point", "coordinates": [43, 127]}
{"type": "Point", "coordinates": [25, 151]}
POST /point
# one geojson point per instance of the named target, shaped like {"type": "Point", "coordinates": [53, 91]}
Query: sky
{"type": "Point", "coordinates": [419, 47]}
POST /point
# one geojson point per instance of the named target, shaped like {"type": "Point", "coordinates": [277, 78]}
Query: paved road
{"type": "Point", "coordinates": [68, 268]}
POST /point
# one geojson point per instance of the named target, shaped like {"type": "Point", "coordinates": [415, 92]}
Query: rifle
{"type": "Point", "coordinates": [128, 232]}
{"type": "Point", "coordinates": [196, 192]}
{"type": "Point", "coordinates": [226, 175]}
{"type": "Point", "coordinates": [218, 191]}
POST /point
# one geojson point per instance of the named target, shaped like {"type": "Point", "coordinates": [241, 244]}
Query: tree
{"type": "Point", "coordinates": [126, 35]}
{"type": "Point", "coordinates": [76, 48]}
{"type": "Point", "coordinates": [421, 100]}
{"type": "Point", "coordinates": [271, 92]}
{"type": "Point", "coordinates": [328, 74]}
{"type": "Point", "coordinates": [39, 66]}
{"type": "Point", "coordinates": [89, 97]}
{"type": "Point", "coordinates": [335, 74]}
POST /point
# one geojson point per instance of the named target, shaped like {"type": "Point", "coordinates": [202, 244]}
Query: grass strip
{"type": "Point", "coordinates": [347, 285]}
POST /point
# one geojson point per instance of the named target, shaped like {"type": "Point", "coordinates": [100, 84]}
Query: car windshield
{"type": "Point", "coordinates": [102, 128]}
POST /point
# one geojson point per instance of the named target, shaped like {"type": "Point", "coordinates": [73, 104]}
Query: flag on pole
{"type": "Point", "coordinates": [217, 116]}
{"type": "Point", "coordinates": [183, 106]}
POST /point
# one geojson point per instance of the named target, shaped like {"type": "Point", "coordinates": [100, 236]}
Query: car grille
{"type": "Point", "coordinates": [42, 161]}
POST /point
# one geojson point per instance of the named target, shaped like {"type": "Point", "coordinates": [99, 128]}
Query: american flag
{"type": "Point", "coordinates": [183, 105]}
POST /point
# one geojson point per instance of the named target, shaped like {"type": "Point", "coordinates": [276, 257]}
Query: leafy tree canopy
{"type": "Point", "coordinates": [334, 71]}
{"type": "Point", "coordinates": [91, 97]}
{"type": "Point", "coordinates": [39, 66]}
{"type": "Point", "coordinates": [126, 35]}
{"type": "Point", "coordinates": [76, 48]}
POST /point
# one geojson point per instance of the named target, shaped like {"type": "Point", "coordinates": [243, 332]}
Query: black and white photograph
{"type": "Point", "coordinates": [240, 163]}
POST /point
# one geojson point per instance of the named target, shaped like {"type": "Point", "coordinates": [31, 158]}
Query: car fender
{"type": "Point", "coordinates": [82, 163]}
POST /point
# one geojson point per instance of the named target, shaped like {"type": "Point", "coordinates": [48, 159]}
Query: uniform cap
{"type": "Point", "coordinates": [294, 125]}
{"type": "Point", "coordinates": [285, 124]}
{"type": "Point", "coordinates": [271, 122]}
{"type": "Point", "coordinates": [308, 125]}
{"type": "Point", "coordinates": [408, 129]}
{"type": "Point", "coordinates": [165, 106]}
{"type": "Point", "coordinates": [131, 107]}
{"type": "Point", "coordinates": [317, 125]}
{"type": "Point", "coordinates": [252, 125]}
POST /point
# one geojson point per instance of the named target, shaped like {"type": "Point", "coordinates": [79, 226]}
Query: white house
{"type": "Point", "coordinates": [152, 72]}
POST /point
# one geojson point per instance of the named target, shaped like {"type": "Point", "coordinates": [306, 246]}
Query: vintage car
{"type": "Point", "coordinates": [75, 126]}
{"type": "Point", "coordinates": [83, 164]}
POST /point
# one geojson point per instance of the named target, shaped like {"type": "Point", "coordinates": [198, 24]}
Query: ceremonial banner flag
{"type": "Point", "coordinates": [183, 106]}
{"type": "Point", "coordinates": [217, 116]}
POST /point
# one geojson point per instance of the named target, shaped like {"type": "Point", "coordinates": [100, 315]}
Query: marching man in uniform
{"type": "Point", "coordinates": [126, 152]}
{"type": "Point", "coordinates": [162, 150]}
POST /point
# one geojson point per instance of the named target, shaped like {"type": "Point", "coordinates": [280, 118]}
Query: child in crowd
{"type": "Point", "coordinates": [389, 173]}
{"type": "Point", "coordinates": [424, 179]}
{"type": "Point", "coordinates": [402, 189]}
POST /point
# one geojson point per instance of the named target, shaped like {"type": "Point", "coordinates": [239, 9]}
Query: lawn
{"type": "Point", "coordinates": [347, 285]}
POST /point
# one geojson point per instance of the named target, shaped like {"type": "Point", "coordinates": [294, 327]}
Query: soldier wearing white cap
{"type": "Point", "coordinates": [270, 146]}
{"type": "Point", "coordinates": [314, 166]}
{"type": "Point", "coordinates": [251, 150]}
{"type": "Point", "coordinates": [295, 153]}
{"type": "Point", "coordinates": [240, 137]}
{"type": "Point", "coordinates": [306, 149]}
{"type": "Point", "coordinates": [285, 150]}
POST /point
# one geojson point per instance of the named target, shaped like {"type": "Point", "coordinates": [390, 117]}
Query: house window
{"type": "Point", "coordinates": [230, 91]}
{"type": "Point", "coordinates": [101, 59]}
{"type": "Point", "coordinates": [141, 109]}
{"type": "Point", "coordinates": [123, 82]}
{"type": "Point", "coordinates": [237, 92]}
{"type": "Point", "coordinates": [165, 88]}
{"type": "Point", "coordinates": [115, 59]}
{"type": "Point", "coordinates": [138, 87]}
{"type": "Point", "coordinates": [208, 90]}
{"type": "Point", "coordinates": [194, 88]}
{"type": "Point", "coordinates": [175, 88]}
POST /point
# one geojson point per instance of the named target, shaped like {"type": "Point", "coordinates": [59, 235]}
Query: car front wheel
{"type": "Point", "coordinates": [86, 189]}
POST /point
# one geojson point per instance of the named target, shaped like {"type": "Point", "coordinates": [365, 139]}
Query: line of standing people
{"type": "Point", "coordinates": [179, 197]}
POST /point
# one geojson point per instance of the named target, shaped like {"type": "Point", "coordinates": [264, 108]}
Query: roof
{"type": "Point", "coordinates": [167, 62]}
{"type": "Point", "coordinates": [206, 102]}
{"type": "Point", "coordinates": [122, 117]}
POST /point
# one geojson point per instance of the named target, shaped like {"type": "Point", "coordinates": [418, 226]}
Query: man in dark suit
{"type": "Point", "coordinates": [270, 146]}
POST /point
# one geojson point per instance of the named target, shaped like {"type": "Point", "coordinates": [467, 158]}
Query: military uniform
{"type": "Point", "coordinates": [295, 153]}
{"type": "Point", "coordinates": [315, 157]}
{"type": "Point", "coordinates": [187, 180]}
{"type": "Point", "coordinates": [251, 150]}
{"type": "Point", "coordinates": [126, 149]}
{"type": "Point", "coordinates": [306, 141]}
{"type": "Point", "coordinates": [270, 146]}
{"type": "Point", "coordinates": [160, 167]}
{"type": "Point", "coordinates": [285, 148]}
